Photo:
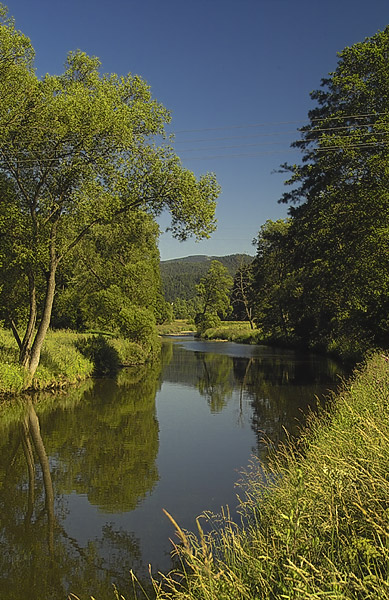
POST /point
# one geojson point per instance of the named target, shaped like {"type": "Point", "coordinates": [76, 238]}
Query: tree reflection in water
{"type": "Point", "coordinates": [216, 382]}
{"type": "Point", "coordinates": [105, 452]}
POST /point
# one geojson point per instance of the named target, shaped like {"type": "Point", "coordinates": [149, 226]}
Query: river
{"type": "Point", "coordinates": [86, 472]}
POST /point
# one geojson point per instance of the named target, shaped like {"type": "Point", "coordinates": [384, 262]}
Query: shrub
{"type": "Point", "coordinates": [101, 353]}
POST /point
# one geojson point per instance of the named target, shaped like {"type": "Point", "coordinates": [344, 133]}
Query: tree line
{"type": "Point", "coordinates": [320, 278]}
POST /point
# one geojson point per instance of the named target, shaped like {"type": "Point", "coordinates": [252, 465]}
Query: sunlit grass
{"type": "Point", "coordinates": [314, 522]}
{"type": "Point", "coordinates": [234, 331]}
{"type": "Point", "coordinates": [176, 327]}
{"type": "Point", "coordinates": [65, 359]}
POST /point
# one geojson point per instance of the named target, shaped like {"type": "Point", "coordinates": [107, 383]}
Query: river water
{"type": "Point", "coordinates": [86, 472]}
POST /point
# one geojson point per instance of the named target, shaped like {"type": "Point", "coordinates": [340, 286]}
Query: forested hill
{"type": "Point", "coordinates": [180, 275]}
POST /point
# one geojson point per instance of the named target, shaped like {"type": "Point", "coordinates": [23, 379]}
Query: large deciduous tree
{"type": "Point", "coordinates": [77, 151]}
{"type": "Point", "coordinates": [340, 226]}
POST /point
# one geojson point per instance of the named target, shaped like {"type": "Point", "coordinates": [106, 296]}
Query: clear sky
{"type": "Point", "coordinates": [236, 75]}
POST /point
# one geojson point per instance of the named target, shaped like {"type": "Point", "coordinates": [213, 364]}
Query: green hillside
{"type": "Point", "coordinates": [180, 275]}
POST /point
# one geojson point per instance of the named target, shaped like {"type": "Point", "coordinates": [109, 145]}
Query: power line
{"type": "Point", "coordinates": [273, 133]}
{"type": "Point", "coordinates": [267, 123]}
{"type": "Point", "coordinates": [263, 144]}
{"type": "Point", "coordinates": [239, 155]}
{"type": "Point", "coordinates": [351, 128]}
{"type": "Point", "coordinates": [256, 154]}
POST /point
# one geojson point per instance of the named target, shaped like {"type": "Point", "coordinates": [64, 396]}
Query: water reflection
{"type": "Point", "coordinates": [215, 380]}
{"type": "Point", "coordinates": [85, 473]}
{"type": "Point", "coordinates": [103, 443]}
{"type": "Point", "coordinates": [112, 457]}
{"type": "Point", "coordinates": [281, 385]}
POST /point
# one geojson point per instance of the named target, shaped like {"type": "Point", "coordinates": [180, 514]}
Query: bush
{"type": "Point", "coordinates": [207, 321]}
{"type": "Point", "coordinates": [101, 353]}
{"type": "Point", "coordinates": [129, 353]}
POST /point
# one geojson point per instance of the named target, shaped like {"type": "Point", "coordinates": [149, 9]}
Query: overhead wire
{"type": "Point", "coordinates": [267, 123]}
{"type": "Point", "coordinates": [350, 128]}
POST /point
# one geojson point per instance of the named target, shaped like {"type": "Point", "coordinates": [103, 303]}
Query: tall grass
{"type": "Point", "coordinates": [68, 357]}
{"type": "Point", "coordinates": [234, 331]}
{"type": "Point", "coordinates": [315, 522]}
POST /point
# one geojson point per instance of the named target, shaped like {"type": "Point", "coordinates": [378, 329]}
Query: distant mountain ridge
{"type": "Point", "coordinates": [195, 258]}
{"type": "Point", "coordinates": [181, 275]}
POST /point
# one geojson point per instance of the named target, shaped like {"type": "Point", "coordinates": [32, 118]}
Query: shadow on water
{"type": "Point", "coordinates": [84, 473]}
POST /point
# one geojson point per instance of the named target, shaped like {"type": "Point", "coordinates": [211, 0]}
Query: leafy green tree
{"type": "Point", "coordinates": [272, 280]}
{"type": "Point", "coordinates": [340, 226]}
{"type": "Point", "coordinates": [78, 154]}
{"type": "Point", "coordinates": [114, 282]}
{"type": "Point", "coordinates": [216, 381]}
{"type": "Point", "coordinates": [213, 292]}
{"type": "Point", "coordinates": [38, 558]}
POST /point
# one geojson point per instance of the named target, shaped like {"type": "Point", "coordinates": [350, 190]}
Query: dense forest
{"type": "Point", "coordinates": [181, 275]}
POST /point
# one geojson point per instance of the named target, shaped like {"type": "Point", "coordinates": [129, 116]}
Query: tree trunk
{"type": "Point", "coordinates": [35, 352]}
{"type": "Point", "coordinates": [25, 345]}
{"type": "Point", "coordinates": [283, 321]}
{"type": "Point", "coordinates": [28, 453]}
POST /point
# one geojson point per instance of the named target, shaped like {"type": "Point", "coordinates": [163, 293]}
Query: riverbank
{"type": "Point", "coordinates": [349, 351]}
{"type": "Point", "coordinates": [316, 521]}
{"type": "Point", "coordinates": [67, 357]}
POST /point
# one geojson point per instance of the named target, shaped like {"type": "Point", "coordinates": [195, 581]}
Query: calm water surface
{"type": "Point", "coordinates": [85, 474]}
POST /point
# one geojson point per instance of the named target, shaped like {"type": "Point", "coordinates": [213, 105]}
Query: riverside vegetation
{"type": "Point", "coordinates": [85, 167]}
{"type": "Point", "coordinates": [69, 357]}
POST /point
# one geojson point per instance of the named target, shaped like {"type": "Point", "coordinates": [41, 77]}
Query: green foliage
{"type": "Point", "coordinates": [207, 321]}
{"type": "Point", "coordinates": [78, 160]}
{"type": "Point", "coordinates": [315, 522]}
{"type": "Point", "coordinates": [242, 295]}
{"type": "Point", "coordinates": [322, 278]}
{"type": "Point", "coordinates": [176, 327]}
{"type": "Point", "coordinates": [213, 292]}
{"type": "Point", "coordinates": [239, 332]}
{"type": "Point", "coordinates": [340, 230]}
{"type": "Point", "coordinates": [12, 377]}
{"type": "Point", "coordinates": [131, 353]}
{"type": "Point", "coordinates": [181, 275]}
{"type": "Point", "coordinates": [68, 357]}
{"type": "Point", "coordinates": [61, 363]}
{"type": "Point", "coordinates": [111, 461]}
{"type": "Point", "coordinates": [104, 357]}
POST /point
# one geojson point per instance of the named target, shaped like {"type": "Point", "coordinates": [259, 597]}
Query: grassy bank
{"type": "Point", "coordinates": [350, 350]}
{"type": "Point", "coordinates": [176, 327]}
{"type": "Point", "coordinates": [68, 357]}
{"type": "Point", "coordinates": [234, 331]}
{"type": "Point", "coordinates": [315, 522]}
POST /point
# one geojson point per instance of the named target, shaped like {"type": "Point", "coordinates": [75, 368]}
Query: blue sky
{"type": "Point", "coordinates": [236, 75]}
